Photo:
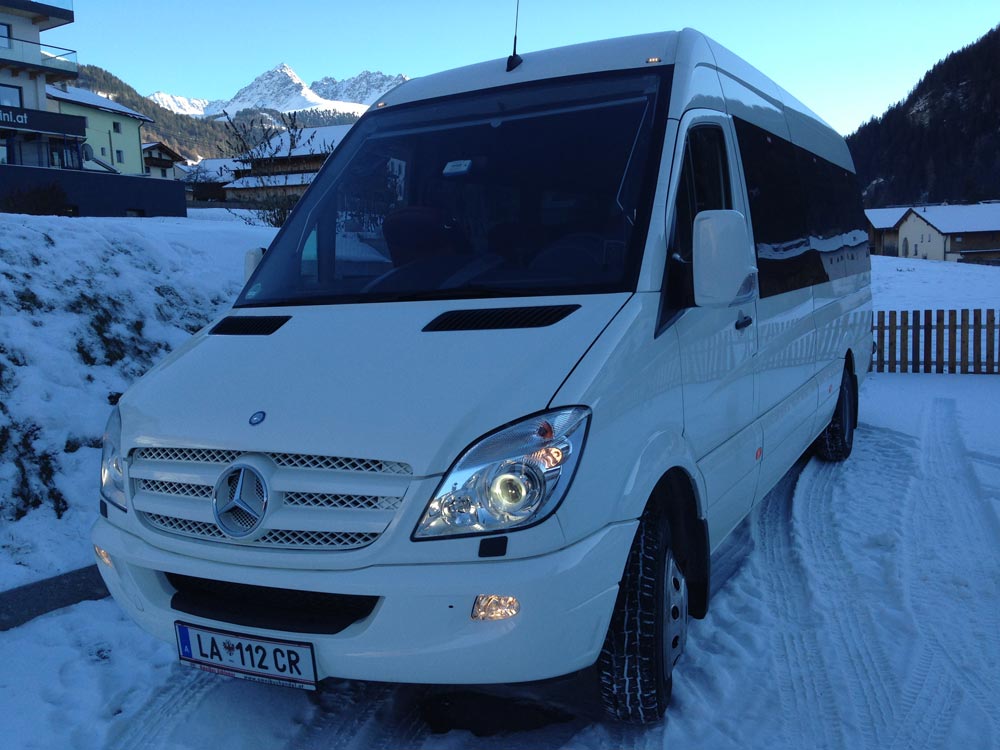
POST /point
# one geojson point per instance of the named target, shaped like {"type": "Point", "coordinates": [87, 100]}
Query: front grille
{"type": "Point", "coordinates": [277, 538]}
{"type": "Point", "coordinates": [184, 489]}
{"type": "Point", "coordinates": [313, 502]}
{"type": "Point", "coordinates": [288, 460]}
{"type": "Point", "coordinates": [289, 610]}
{"type": "Point", "coordinates": [324, 500]}
{"type": "Point", "coordinates": [184, 526]}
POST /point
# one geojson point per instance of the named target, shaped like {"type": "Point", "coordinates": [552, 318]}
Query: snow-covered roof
{"type": "Point", "coordinates": [886, 218]}
{"type": "Point", "coordinates": [976, 217]}
{"type": "Point", "coordinates": [311, 141]}
{"type": "Point", "coordinates": [90, 99]}
{"type": "Point", "coordinates": [277, 180]}
{"type": "Point", "coordinates": [208, 169]}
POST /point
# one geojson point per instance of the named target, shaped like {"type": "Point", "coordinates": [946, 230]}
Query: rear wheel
{"type": "Point", "coordinates": [837, 440]}
{"type": "Point", "coordinates": [648, 628]}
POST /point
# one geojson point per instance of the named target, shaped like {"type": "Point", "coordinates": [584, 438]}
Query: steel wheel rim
{"type": "Point", "coordinates": [676, 614]}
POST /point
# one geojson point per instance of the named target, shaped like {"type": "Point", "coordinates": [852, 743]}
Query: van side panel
{"type": "Point", "coordinates": [632, 381]}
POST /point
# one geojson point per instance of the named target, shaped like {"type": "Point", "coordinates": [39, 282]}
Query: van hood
{"type": "Point", "coordinates": [361, 381]}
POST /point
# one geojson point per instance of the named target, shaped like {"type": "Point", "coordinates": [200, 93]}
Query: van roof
{"type": "Point", "coordinates": [733, 86]}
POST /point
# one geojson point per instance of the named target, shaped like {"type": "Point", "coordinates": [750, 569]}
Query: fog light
{"type": "Point", "coordinates": [495, 607]}
{"type": "Point", "coordinates": [103, 556]}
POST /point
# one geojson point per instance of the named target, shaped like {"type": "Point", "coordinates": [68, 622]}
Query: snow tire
{"type": "Point", "coordinates": [837, 440]}
{"type": "Point", "coordinates": [648, 628]}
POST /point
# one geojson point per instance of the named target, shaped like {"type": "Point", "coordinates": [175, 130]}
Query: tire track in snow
{"type": "Point", "coordinates": [954, 581]}
{"type": "Point", "coordinates": [149, 727]}
{"type": "Point", "coordinates": [810, 718]}
{"type": "Point", "coordinates": [826, 499]}
{"type": "Point", "coordinates": [931, 698]}
{"type": "Point", "coordinates": [364, 716]}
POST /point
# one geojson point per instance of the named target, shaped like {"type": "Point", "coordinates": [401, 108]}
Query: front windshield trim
{"type": "Point", "coordinates": [651, 132]}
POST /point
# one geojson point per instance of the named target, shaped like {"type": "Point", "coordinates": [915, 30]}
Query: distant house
{"type": "Point", "coordinates": [207, 179]}
{"type": "Point", "coordinates": [291, 170]}
{"type": "Point", "coordinates": [883, 229]}
{"type": "Point", "coordinates": [162, 162]}
{"type": "Point", "coordinates": [113, 130]}
{"type": "Point", "coordinates": [965, 233]}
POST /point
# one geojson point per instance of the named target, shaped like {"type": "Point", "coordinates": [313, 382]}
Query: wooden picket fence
{"type": "Point", "coordinates": [938, 341]}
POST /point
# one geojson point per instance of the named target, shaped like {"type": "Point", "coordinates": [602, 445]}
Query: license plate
{"type": "Point", "coordinates": [248, 657]}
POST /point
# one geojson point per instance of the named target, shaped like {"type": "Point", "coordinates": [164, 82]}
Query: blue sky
{"type": "Point", "coordinates": [847, 60]}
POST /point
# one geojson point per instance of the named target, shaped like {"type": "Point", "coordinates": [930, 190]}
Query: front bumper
{"type": "Point", "coordinates": [421, 629]}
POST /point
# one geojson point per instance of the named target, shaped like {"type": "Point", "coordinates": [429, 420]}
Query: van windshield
{"type": "Point", "coordinates": [541, 189]}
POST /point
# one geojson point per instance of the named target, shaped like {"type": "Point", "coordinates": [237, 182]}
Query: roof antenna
{"type": "Point", "coordinates": [515, 59]}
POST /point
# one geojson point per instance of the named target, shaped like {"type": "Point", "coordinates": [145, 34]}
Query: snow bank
{"type": "Point", "coordinates": [915, 284]}
{"type": "Point", "coordinates": [86, 306]}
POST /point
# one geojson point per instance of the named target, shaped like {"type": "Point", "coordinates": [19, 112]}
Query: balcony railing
{"type": "Point", "coordinates": [15, 53]}
{"type": "Point", "coordinates": [47, 14]}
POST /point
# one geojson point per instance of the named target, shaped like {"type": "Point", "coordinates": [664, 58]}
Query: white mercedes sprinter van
{"type": "Point", "coordinates": [533, 343]}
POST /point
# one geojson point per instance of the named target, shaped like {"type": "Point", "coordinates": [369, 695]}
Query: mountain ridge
{"type": "Point", "coordinates": [281, 89]}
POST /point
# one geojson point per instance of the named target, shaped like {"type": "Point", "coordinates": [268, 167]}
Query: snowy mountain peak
{"type": "Point", "coordinates": [282, 89]}
{"type": "Point", "coordinates": [365, 88]}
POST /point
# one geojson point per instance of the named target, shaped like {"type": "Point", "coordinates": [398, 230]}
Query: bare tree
{"type": "Point", "coordinates": [260, 144]}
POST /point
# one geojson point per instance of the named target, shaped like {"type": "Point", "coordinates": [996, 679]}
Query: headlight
{"type": "Point", "coordinates": [112, 462]}
{"type": "Point", "coordinates": [511, 478]}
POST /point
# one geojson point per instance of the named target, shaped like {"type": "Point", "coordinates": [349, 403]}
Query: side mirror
{"type": "Point", "coordinates": [250, 262]}
{"type": "Point", "coordinates": [725, 272]}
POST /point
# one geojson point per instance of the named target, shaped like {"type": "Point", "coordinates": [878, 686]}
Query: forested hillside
{"type": "Point", "coordinates": [941, 143]}
{"type": "Point", "coordinates": [187, 136]}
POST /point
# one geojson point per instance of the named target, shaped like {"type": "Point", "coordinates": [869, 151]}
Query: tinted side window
{"type": "Point", "coordinates": [778, 210]}
{"type": "Point", "coordinates": [704, 186]}
{"type": "Point", "coordinates": [806, 212]}
{"type": "Point", "coordinates": [837, 226]}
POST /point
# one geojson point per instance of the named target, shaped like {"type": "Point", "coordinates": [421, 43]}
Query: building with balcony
{"type": "Point", "coordinates": [46, 166]}
{"type": "Point", "coordinates": [30, 134]}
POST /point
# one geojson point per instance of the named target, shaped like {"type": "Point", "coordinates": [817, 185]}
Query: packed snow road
{"type": "Point", "coordinates": [858, 607]}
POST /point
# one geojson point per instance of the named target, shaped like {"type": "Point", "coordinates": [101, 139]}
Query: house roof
{"type": "Point", "coordinates": [90, 99]}
{"type": "Point", "coordinates": [959, 219]}
{"type": "Point", "coordinates": [311, 141]}
{"type": "Point", "coordinates": [213, 170]}
{"type": "Point", "coordinates": [886, 218]}
{"type": "Point", "coordinates": [164, 148]}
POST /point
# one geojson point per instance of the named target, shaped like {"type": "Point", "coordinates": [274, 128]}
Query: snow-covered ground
{"type": "Point", "coordinates": [856, 607]}
{"type": "Point", "coordinates": [914, 284]}
{"type": "Point", "coordinates": [86, 306]}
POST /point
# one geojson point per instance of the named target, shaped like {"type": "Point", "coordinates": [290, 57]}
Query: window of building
{"type": "Point", "coordinates": [163, 173]}
{"type": "Point", "coordinates": [10, 96]}
{"type": "Point", "coordinates": [104, 151]}
{"type": "Point", "coordinates": [116, 126]}
{"type": "Point", "coordinates": [148, 171]}
{"type": "Point", "coordinates": [5, 35]}
{"type": "Point", "coordinates": [119, 155]}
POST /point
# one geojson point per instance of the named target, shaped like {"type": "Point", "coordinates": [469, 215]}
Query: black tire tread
{"type": "Point", "coordinates": [837, 439]}
{"type": "Point", "coordinates": [633, 688]}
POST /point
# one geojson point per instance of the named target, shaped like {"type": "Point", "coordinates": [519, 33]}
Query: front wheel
{"type": "Point", "coordinates": [648, 629]}
{"type": "Point", "coordinates": [837, 440]}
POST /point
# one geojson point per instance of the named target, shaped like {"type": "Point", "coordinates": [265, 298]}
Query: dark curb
{"type": "Point", "coordinates": [32, 600]}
